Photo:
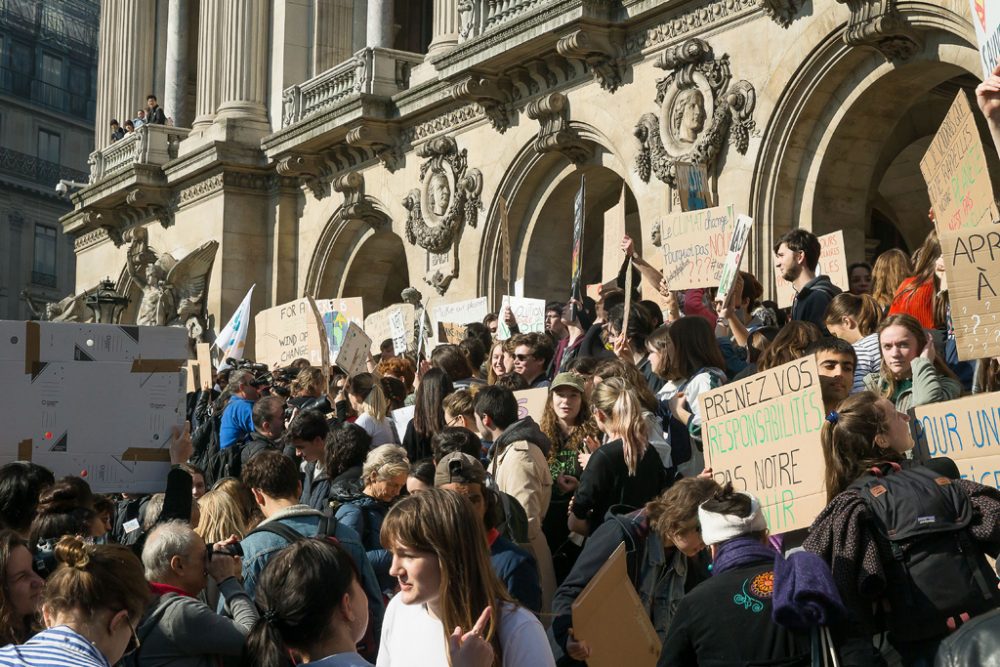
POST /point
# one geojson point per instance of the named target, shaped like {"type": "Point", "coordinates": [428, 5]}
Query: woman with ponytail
{"type": "Point", "coordinates": [91, 605]}
{"type": "Point", "coordinates": [369, 402]}
{"type": "Point", "coordinates": [855, 319]}
{"type": "Point", "coordinates": [312, 605]}
{"type": "Point", "coordinates": [626, 470]}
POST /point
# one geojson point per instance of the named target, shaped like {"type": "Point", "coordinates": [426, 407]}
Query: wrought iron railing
{"type": "Point", "coordinates": [32, 168]}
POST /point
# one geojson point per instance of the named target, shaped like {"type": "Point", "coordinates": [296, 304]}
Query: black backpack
{"type": "Point", "coordinates": [937, 576]}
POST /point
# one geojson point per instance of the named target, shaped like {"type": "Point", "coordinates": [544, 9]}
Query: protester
{"type": "Point", "coordinates": [739, 319]}
{"type": "Point", "coordinates": [421, 476]}
{"type": "Point", "coordinates": [514, 566]}
{"type": "Point", "coordinates": [456, 365]}
{"type": "Point", "coordinates": [91, 605]}
{"type": "Point", "coordinates": [198, 486]}
{"type": "Point", "coordinates": [987, 377]}
{"type": "Point", "coordinates": [796, 256]}
{"type": "Point", "coordinates": [309, 434]}
{"type": "Point", "coordinates": [576, 323]}
{"type": "Point", "coordinates": [65, 508]}
{"type": "Point", "coordinates": [368, 400]}
{"type": "Point", "coordinates": [835, 359]}
{"type": "Point", "coordinates": [347, 448]}
{"type": "Point", "coordinates": [177, 628]}
{"type": "Point", "coordinates": [21, 593]}
{"type": "Point", "coordinates": [855, 319]}
{"type": "Point", "coordinates": [460, 410]}
{"type": "Point", "coordinates": [988, 97]}
{"type": "Point", "coordinates": [871, 489]}
{"type": "Point", "coordinates": [428, 413]}
{"type": "Point", "coordinates": [268, 417]}
{"type": "Point", "coordinates": [890, 270]}
{"type": "Point", "coordinates": [912, 373]}
{"type": "Point", "coordinates": [21, 486]}
{"type": "Point", "coordinates": [237, 419]}
{"type": "Point", "coordinates": [532, 354]}
{"type": "Point", "coordinates": [501, 360]}
{"type": "Point", "coordinates": [447, 586]}
{"type": "Point", "coordinates": [384, 476]}
{"type": "Point", "coordinates": [275, 484]}
{"type": "Point", "coordinates": [859, 278]}
{"type": "Point", "coordinates": [400, 368]}
{"type": "Point", "coordinates": [625, 470]}
{"type": "Point", "coordinates": [916, 294]}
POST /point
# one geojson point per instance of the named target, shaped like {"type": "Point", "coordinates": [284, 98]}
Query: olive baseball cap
{"type": "Point", "coordinates": [567, 380]}
{"type": "Point", "coordinates": [459, 468]}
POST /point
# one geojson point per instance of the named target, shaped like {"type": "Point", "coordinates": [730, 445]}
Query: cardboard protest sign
{"type": "Point", "coordinates": [614, 231]}
{"type": "Point", "coordinates": [378, 328]}
{"type": "Point", "coordinates": [986, 20]}
{"type": "Point", "coordinates": [967, 431]}
{"type": "Point", "coordinates": [763, 435]}
{"type": "Point", "coordinates": [192, 377]}
{"type": "Point", "coordinates": [462, 312]}
{"type": "Point", "coordinates": [203, 351]}
{"type": "Point", "coordinates": [449, 332]}
{"type": "Point", "coordinates": [576, 263]}
{"type": "Point", "coordinates": [610, 617]}
{"type": "Point", "coordinates": [529, 313]}
{"type": "Point", "coordinates": [291, 331]}
{"type": "Point", "coordinates": [694, 187]}
{"type": "Point", "coordinates": [96, 401]}
{"type": "Point", "coordinates": [352, 356]}
{"type": "Point", "coordinates": [961, 180]}
{"type": "Point", "coordinates": [337, 314]}
{"type": "Point", "coordinates": [397, 327]}
{"type": "Point", "coordinates": [832, 263]}
{"type": "Point", "coordinates": [695, 246]}
{"type": "Point", "coordinates": [737, 244]}
{"type": "Point", "coordinates": [531, 403]}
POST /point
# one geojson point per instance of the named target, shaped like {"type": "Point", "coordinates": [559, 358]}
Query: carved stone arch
{"type": "Point", "coordinates": [839, 123]}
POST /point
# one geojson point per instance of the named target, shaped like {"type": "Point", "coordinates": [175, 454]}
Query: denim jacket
{"type": "Point", "coordinates": [259, 547]}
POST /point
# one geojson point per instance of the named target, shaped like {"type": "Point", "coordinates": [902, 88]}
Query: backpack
{"type": "Point", "coordinates": [937, 576]}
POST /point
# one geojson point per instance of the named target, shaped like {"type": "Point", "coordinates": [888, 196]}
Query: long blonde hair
{"type": "Point", "coordinates": [443, 523]}
{"type": "Point", "coordinates": [373, 401]}
{"type": "Point", "coordinates": [221, 516]}
{"type": "Point", "coordinates": [621, 404]}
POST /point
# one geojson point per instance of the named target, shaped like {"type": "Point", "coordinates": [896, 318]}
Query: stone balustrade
{"type": "Point", "coordinates": [371, 71]}
{"type": "Point", "coordinates": [150, 145]}
{"type": "Point", "coordinates": [477, 17]}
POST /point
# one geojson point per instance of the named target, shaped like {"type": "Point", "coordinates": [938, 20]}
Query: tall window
{"type": "Point", "coordinates": [52, 69]}
{"type": "Point", "coordinates": [48, 146]}
{"type": "Point", "coordinates": [43, 271]}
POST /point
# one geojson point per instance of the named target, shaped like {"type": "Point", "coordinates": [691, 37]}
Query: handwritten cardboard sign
{"type": "Point", "coordinates": [610, 617]}
{"type": "Point", "coordinates": [449, 332]}
{"type": "Point", "coordinates": [352, 356]}
{"type": "Point", "coordinates": [737, 244]}
{"type": "Point", "coordinates": [614, 230]}
{"type": "Point", "coordinates": [462, 312]}
{"type": "Point", "coordinates": [763, 435]}
{"type": "Point", "coordinates": [986, 20]}
{"type": "Point", "coordinates": [378, 327]}
{"type": "Point", "coordinates": [832, 263]}
{"type": "Point", "coordinates": [193, 376]}
{"type": "Point", "coordinates": [291, 331]}
{"type": "Point", "coordinates": [695, 246]}
{"type": "Point", "coordinates": [531, 403]}
{"type": "Point", "coordinates": [961, 180]}
{"type": "Point", "coordinates": [529, 313]}
{"type": "Point", "coordinates": [966, 430]}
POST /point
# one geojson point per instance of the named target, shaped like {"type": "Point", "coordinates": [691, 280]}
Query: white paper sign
{"type": "Point", "coordinates": [986, 20]}
{"type": "Point", "coordinates": [529, 313]}
{"type": "Point", "coordinates": [402, 418]}
{"type": "Point", "coordinates": [397, 327]}
{"type": "Point", "coordinates": [352, 356]}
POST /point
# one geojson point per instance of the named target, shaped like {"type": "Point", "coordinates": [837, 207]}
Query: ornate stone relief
{"type": "Point", "coordinates": [356, 205]}
{"type": "Point", "coordinates": [382, 139]}
{"type": "Point", "coordinates": [555, 134]}
{"type": "Point", "coordinates": [603, 51]}
{"type": "Point", "coordinates": [447, 200]}
{"type": "Point", "coordinates": [782, 11]}
{"type": "Point", "coordinates": [492, 94]}
{"type": "Point", "coordinates": [878, 24]}
{"type": "Point", "coordinates": [698, 110]}
{"type": "Point", "coordinates": [310, 170]}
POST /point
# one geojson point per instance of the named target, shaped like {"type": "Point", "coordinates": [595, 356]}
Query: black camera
{"type": "Point", "coordinates": [234, 549]}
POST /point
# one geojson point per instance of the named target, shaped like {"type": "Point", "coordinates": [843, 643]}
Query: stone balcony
{"type": "Point", "coordinates": [150, 145]}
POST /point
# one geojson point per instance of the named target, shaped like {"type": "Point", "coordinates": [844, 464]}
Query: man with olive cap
{"type": "Point", "coordinates": [515, 567]}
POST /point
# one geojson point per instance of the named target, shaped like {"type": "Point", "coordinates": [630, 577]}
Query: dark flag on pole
{"type": "Point", "coordinates": [576, 293]}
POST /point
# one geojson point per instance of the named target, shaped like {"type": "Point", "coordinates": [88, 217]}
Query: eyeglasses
{"type": "Point", "coordinates": [133, 643]}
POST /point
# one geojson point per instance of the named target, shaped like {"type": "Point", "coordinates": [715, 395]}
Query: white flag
{"type": "Point", "coordinates": [233, 338]}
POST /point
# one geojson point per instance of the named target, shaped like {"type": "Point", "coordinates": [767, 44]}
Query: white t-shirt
{"type": "Point", "coordinates": [380, 431]}
{"type": "Point", "coordinates": [412, 637]}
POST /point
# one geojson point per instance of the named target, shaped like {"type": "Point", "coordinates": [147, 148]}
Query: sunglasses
{"type": "Point", "coordinates": [524, 357]}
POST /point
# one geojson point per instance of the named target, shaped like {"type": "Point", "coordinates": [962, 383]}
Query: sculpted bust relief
{"type": "Point", "coordinates": [438, 193]}
{"type": "Point", "coordinates": [689, 115]}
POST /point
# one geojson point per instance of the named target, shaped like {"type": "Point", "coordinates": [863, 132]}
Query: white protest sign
{"type": "Point", "coordinates": [291, 331]}
{"type": "Point", "coordinates": [352, 356]}
{"type": "Point", "coordinates": [397, 327]}
{"type": "Point", "coordinates": [986, 20]}
{"type": "Point", "coordinates": [378, 328]}
{"type": "Point", "coordinates": [967, 431]}
{"type": "Point", "coordinates": [529, 313]}
{"type": "Point", "coordinates": [763, 435]}
{"type": "Point", "coordinates": [531, 403]}
{"type": "Point", "coordinates": [402, 418]}
{"type": "Point", "coordinates": [737, 244]}
{"type": "Point", "coordinates": [462, 312]}
{"type": "Point", "coordinates": [96, 401]}
{"type": "Point", "coordinates": [832, 263]}
{"type": "Point", "coordinates": [695, 246]}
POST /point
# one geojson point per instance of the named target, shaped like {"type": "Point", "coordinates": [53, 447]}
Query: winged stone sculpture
{"type": "Point", "coordinates": [72, 308]}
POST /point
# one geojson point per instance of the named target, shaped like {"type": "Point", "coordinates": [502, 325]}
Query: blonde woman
{"type": "Point", "coordinates": [447, 586]}
{"type": "Point", "coordinates": [369, 402]}
{"type": "Point", "coordinates": [626, 470]}
{"type": "Point", "coordinates": [384, 476]}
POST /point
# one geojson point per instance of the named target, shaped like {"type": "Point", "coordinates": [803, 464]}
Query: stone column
{"type": "Point", "coordinates": [445, 37]}
{"type": "Point", "coordinates": [380, 23]}
{"type": "Point", "coordinates": [124, 62]}
{"type": "Point", "coordinates": [244, 62]}
{"type": "Point", "coordinates": [175, 87]}
{"type": "Point", "coordinates": [332, 34]}
{"type": "Point", "coordinates": [209, 63]}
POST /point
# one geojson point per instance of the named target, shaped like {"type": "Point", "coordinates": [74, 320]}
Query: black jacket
{"type": "Point", "coordinates": [977, 642]}
{"type": "Point", "coordinates": [811, 301]}
{"type": "Point", "coordinates": [155, 116]}
{"type": "Point", "coordinates": [257, 443]}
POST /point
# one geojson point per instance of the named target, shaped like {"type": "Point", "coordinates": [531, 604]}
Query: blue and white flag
{"type": "Point", "coordinates": [233, 338]}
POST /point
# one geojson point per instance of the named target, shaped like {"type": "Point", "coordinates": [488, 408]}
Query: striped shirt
{"type": "Point", "coordinates": [56, 647]}
{"type": "Point", "coordinates": [869, 360]}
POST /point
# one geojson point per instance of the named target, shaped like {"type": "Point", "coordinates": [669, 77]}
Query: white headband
{"type": "Point", "coordinates": [717, 528]}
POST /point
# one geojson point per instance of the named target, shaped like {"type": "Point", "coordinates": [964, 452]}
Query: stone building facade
{"type": "Point", "coordinates": [343, 148]}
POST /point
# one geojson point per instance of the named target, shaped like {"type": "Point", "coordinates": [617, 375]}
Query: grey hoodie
{"type": "Point", "coordinates": [523, 429]}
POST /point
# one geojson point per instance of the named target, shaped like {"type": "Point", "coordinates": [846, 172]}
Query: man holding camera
{"type": "Point", "coordinates": [268, 427]}
{"type": "Point", "coordinates": [237, 418]}
{"type": "Point", "coordinates": [177, 627]}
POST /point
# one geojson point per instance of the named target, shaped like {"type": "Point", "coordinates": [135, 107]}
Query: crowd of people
{"type": "Point", "coordinates": [302, 522]}
{"type": "Point", "coordinates": [153, 114]}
